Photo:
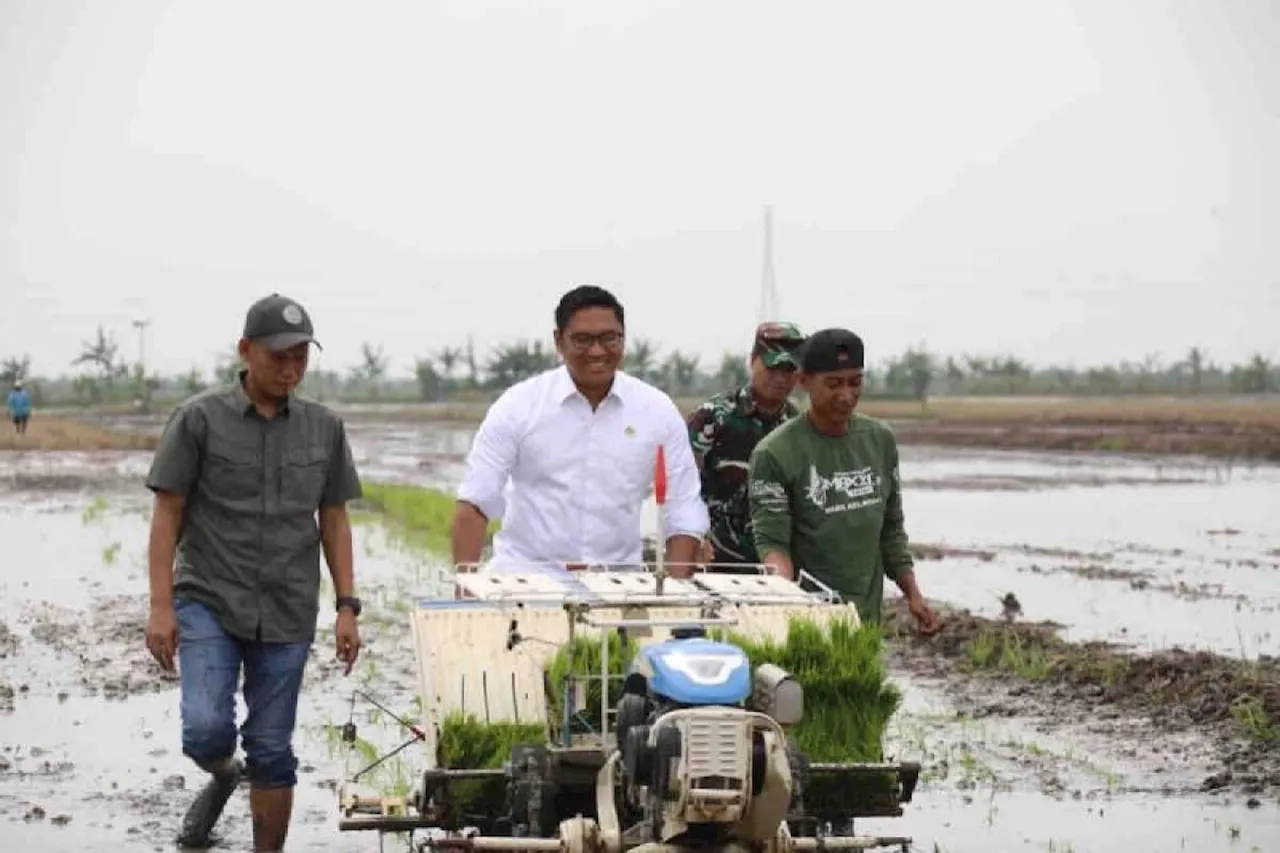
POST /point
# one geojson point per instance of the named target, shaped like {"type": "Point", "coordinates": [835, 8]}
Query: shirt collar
{"type": "Point", "coordinates": [748, 406]}
{"type": "Point", "coordinates": [242, 402]}
{"type": "Point", "coordinates": [565, 390]}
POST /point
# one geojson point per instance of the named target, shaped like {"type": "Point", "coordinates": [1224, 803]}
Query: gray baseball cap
{"type": "Point", "coordinates": [279, 322]}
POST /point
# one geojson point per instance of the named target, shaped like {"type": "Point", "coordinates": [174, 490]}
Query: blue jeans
{"type": "Point", "coordinates": [209, 662]}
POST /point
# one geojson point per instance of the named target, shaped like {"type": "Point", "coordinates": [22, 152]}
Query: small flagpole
{"type": "Point", "coordinates": [660, 495]}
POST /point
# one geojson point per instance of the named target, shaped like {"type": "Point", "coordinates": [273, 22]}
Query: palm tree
{"type": "Point", "coordinates": [13, 369]}
{"type": "Point", "coordinates": [1015, 371]}
{"type": "Point", "coordinates": [515, 362]}
{"type": "Point", "coordinates": [919, 367]}
{"type": "Point", "coordinates": [228, 367]}
{"type": "Point", "coordinates": [954, 374]}
{"type": "Point", "coordinates": [679, 373]}
{"type": "Point", "coordinates": [193, 382]}
{"type": "Point", "coordinates": [100, 353]}
{"type": "Point", "coordinates": [640, 359]}
{"type": "Point", "coordinates": [1195, 363]}
{"type": "Point", "coordinates": [732, 373]}
{"type": "Point", "coordinates": [373, 367]}
{"type": "Point", "coordinates": [430, 383]}
{"type": "Point", "coordinates": [448, 359]}
{"type": "Point", "coordinates": [1257, 375]}
{"type": "Point", "coordinates": [1148, 369]}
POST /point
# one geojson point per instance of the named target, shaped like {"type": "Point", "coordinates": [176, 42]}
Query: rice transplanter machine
{"type": "Point", "coordinates": [688, 750]}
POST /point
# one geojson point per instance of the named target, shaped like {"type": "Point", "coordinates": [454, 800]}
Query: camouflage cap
{"type": "Point", "coordinates": [776, 344]}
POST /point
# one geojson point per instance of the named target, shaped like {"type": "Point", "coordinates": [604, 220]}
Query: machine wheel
{"type": "Point", "coordinates": [580, 835]}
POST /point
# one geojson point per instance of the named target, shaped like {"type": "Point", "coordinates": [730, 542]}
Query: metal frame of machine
{"type": "Point", "coordinates": [512, 623]}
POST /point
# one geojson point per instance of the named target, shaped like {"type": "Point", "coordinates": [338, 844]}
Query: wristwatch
{"type": "Point", "coordinates": [350, 602]}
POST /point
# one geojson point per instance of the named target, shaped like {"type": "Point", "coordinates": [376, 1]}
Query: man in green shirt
{"type": "Point", "coordinates": [824, 488]}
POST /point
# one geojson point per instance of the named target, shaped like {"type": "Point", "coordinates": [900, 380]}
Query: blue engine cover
{"type": "Point", "coordinates": [696, 671]}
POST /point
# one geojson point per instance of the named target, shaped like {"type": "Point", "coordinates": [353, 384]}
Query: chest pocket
{"type": "Point", "coordinates": [232, 473]}
{"type": "Point", "coordinates": [303, 472]}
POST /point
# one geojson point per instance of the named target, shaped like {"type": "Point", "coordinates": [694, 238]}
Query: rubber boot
{"type": "Point", "coordinates": [204, 812]}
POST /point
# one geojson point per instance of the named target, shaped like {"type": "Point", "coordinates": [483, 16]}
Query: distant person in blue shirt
{"type": "Point", "coordinates": [19, 406]}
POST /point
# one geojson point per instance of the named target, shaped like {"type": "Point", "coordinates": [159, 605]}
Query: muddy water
{"type": "Point", "coordinates": [90, 752]}
{"type": "Point", "coordinates": [1047, 784]}
{"type": "Point", "coordinates": [1165, 555]}
{"type": "Point", "coordinates": [90, 755]}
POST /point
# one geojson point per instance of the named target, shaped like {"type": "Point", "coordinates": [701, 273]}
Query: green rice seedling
{"type": "Point", "coordinates": [577, 666]}
{"type": "Point", "coordinates": [848, 697]}
{"type": "Point", "coordinates": [421, 517]}
{"type": "Point", "coordinates": [95, 510]}
{"type": "Point", "coordinates": [849, 702]}
{"type": "Point", "coordinates": [1251, 716]}
{"type": "Point", "coordinates": [467, 742]}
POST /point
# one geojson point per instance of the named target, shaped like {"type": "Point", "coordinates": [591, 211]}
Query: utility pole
{"type": "Point", "coordinates": [768, 286]}
{"type": "Point", "coordinates": [144, 388]}
{"type": "Point", "coordinates": [141, 326]}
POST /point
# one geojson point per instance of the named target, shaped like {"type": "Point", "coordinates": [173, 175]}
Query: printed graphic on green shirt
{"type": "Point", "coordinates": [843, 491]}
{"type": "Point", "coordinates": [832, 504]}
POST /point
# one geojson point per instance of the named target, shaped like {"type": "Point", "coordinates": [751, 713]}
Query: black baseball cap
{"type": "Point", "coordinates": [279, 322]}
{"type": "Point", "coordinates": [831, 349]}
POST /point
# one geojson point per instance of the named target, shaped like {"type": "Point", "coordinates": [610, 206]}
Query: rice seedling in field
{"type": "Point", "coordinates": [467, 742]}
{"type": "Point", "coordinates": [848, 697]}
{"type": "Point", "coordinates": [422, 517]}
{"type": "Point", "coordinates": [580, 660]}
{"type": "Point", "coordinates": [849, 702]}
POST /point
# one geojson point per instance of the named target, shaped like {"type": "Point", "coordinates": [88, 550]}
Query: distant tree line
{"type": "Point", "coordinates": [100, 376]}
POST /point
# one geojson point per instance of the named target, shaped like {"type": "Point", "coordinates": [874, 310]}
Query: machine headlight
{"type": "Point", "coordinates": [705, 667]}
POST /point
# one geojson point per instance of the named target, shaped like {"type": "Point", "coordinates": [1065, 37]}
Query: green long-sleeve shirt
{"type": "Point", "coordinates": [833, 505]}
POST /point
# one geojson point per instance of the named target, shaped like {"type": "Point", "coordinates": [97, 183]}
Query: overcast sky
{"type": "Point", "coordinates": [1064, 181]}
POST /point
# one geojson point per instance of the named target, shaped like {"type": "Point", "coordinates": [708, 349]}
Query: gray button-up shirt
{"type": "Point", "coordinates": [249, 547]}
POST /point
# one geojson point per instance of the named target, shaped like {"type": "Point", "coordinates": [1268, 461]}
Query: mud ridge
{"type": "Point", "coordinates": [74, 482]}
{"type": "Point", "coordinates": [8, 641]}
{"type": "Point", "coordinates": [1013, 483]}
{"type": "Point", "coordinates": [1096, 434]}
{"type": "Point", "coordinates": [1232, 705]}
{"type": "Point", "coordinates": [938, 551]}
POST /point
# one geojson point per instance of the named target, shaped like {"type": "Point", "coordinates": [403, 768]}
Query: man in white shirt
{"type": "Point", "coordinates": [574, 451]}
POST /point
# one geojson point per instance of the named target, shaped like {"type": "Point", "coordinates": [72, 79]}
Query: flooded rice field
{"type": "Point", "coordinates": [1150, 554]}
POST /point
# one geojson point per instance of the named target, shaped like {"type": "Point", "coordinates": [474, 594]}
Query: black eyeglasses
{"type": "Point", "coordinates": [585, 340]}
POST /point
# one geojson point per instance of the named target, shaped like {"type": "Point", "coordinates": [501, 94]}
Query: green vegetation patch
{"type": "Point", "coordinates": [467, 742]}
{"type": "Point", "coordinates": [849, 701]}
{"type": "Point", "coordinates": [582, 658]}
{"type": "Point", "coordinates": [1199, 687]}
{"type": "Point", "coordinates": [848, 698]}
{"type": "Point", "coordinates": [421, 517]}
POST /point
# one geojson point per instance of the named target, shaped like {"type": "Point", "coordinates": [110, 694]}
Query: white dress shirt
{"type": "Point", "coordinates": [568, 483]}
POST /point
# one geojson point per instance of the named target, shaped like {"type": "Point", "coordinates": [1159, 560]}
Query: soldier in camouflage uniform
{"type": "Point", "coordinates": [725, 429]}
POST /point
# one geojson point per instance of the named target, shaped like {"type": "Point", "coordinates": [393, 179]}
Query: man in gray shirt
{"type": "Point", "coordinates": [239, 478]}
